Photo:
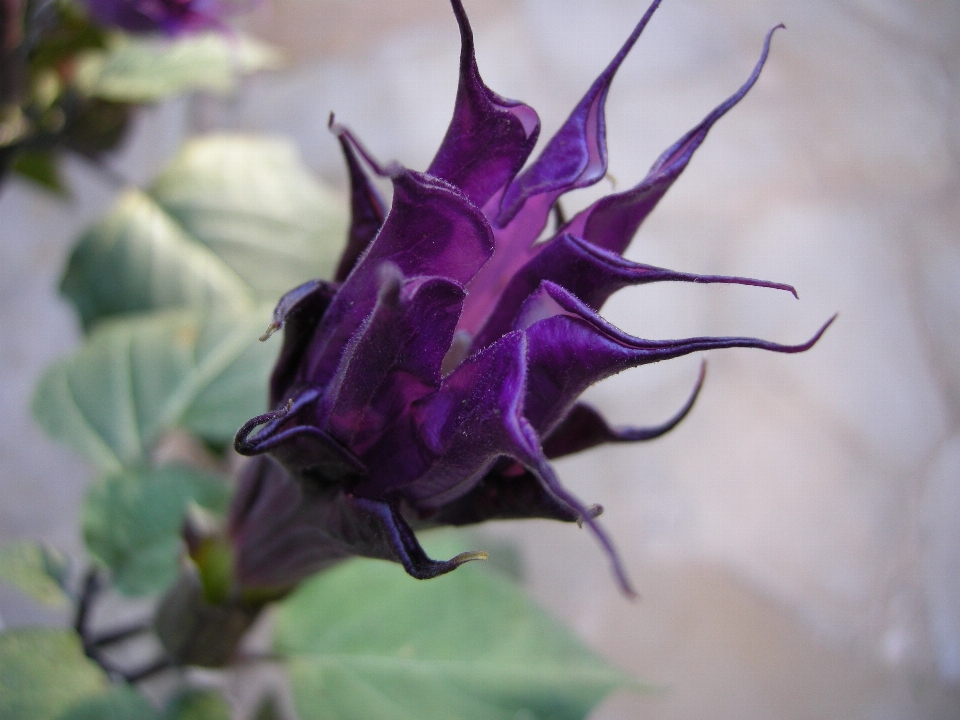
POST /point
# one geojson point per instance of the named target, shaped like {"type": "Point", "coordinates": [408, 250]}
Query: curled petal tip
{"type": "Point", "coordinates": [783, 286]}
{"type": "Point", "coordinates": [701, 376]}
{"type": "Point", "coordinates": [271, 329]}
{"type": "Point", "coordinates": [594, 511]}
{"type": "Point", "coordinates": [470, 556]}
{"type": "Point", "coordinates": [813, 341]}
{"type": "Point", "coordinates": [626, 588]}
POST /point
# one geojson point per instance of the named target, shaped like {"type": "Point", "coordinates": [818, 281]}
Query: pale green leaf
{"type": "Point", "coordinates": [121, 703]}
{"type": "Point", "coordinates": [234, 220]}
{"type": "Point", "coordinates": [139, 377]}
{"type": "Point", "coordinates": [34, 570]}
{"type": "Point", "coordinates": [254, 204]}
{"type": "Point", "coordinates": [147, 69]}
{"type": "Point", "coordinates": [43, 672]}
{"type": "Point", "coordinates": [368, 642]}
{"type": "Point", "coordinates": [138, 258]}
{"type": "Point", "coordinates": [132, 522]}
{"type": "Point", "coordinates": [197, 705]}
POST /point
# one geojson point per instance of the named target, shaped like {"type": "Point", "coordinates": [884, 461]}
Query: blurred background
{"type": "Point", "coordinates": [796, 541]}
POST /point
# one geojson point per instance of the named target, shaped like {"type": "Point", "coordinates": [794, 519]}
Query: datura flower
{"type": "Point", "coordinates": [171, 17]}
{"type": "Point", "coordinates": [433, 380]}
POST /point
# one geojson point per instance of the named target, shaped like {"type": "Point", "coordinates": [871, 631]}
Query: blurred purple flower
{"type": "Point", "coordinates": [171, 17]}
{"type": "Point", "coordinates": [432, 381]}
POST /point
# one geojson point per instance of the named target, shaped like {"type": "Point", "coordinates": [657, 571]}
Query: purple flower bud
{"type": "Point", "coordinates": [433, 378]}
{"type": "Point", "coordinates": [171, 17]}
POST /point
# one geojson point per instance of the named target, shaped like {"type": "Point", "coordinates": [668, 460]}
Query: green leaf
{"type": "Point", "coordinates": [197, 705]}
{"type": "Point", "coordinates": [40, 166]}
{"type": "Point", "coordinates": [368, 642]}
{"type": "Point", "coordinates": [254, 204]}
{"type": "Point", "coordinates": [35, 571]}
{"type": "Point", "coordinates": [132, 522]}
{"type": "Point", "coordinates": [139, 377]}
{"type": "Point", "coordinates": [269, 709]}
{"type": "Point", "coordinates": [233, 220]}
{"type": "Point", "coordinates": [43, 672]}
{"type": "Point", "coordinates": [147, 69]}
{"type": "Point", "coordinates": [121, 703]}
{"type": "Point", "coordinates": [139, 258]}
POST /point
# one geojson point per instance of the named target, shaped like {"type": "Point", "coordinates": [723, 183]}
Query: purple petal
{"type": "Point", "coordinates": [367, 211]}
{"type": "Point", "coordinates": [584, 428]}
{"type": "Point", "coordinates": [430, 230]}
{"type": "Point", "coordinates": [283, 531]}
{"type": "Point", "coordinates": [298, 313]}
{"type": "Point", "coordinates": [577, 155]}
{"type": "Point", "coordinates": [393, 539]}
{"type": "Point", "coordinates": [489, 138]}
{"type": "Point", "coordinates": [612, 221]}
{"type": "Point", "coordinates": [589, 272]}
{"type": "Point", "coordinates": [394, 359]}
{"type": "Point", "coordinates": [458, 432]}
{"type": "Point", "coordinates": [513, 495]}
{"type": "Point", "coordinates": [474, 419]}
{"type": "Point", "coordinates": [172, 17]}
{"type": "Point", "coordinates": [278, 539]}
{"type": "Point", "coordinates": [571, 348]}
{"type": "Point", "coordinates": [291, 436]}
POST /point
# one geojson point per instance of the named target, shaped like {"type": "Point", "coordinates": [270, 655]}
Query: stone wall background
{"type": "Point", "coordinates": [796, 540]}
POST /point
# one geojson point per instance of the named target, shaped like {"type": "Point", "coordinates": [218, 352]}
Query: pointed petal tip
{"type": "Point", "coordinates": [781, 286]}
{"type": "Point", "coordinates": [334, 127]}
{"type": "Point", "coordinates": [803, 347]}
{"type": "Point", "coordinates": [594, 511]}
{"type": "Point", "coordinates": [626, 587]}
{"type": "Point", "coordinates": [813, 341]}
{"type": "Point", "coordinates": [466, 557]}
{"type": "Point", "coordinates": [343, 134]}
{"type": "Point", "coordinates": [271, 329]}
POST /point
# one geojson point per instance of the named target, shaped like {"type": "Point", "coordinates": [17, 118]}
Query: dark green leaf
{"type": "Point", "coordinates": [35, 571]}
{"type": "Point", "coordinates": [197, 705]}
{"type": "Point", "coordinates": [269, 709]}
{"type": "Point", "coordinates": [43, 672]}
{"type": "Point", "coordinates": [139, 377]}
{"type": "Point", "coordinates": [121, 703]}
{"type": "Point", "coordinates": [41, 167]}
{"type": "Point", "coordinates": [147, 69]}
{"type": "Point", "coordinates": [233, 220]}
{"type": "Point", "coordinates": [368, 642]}
{"type": "Point", "coordinates": [96, 126]}
{"type": "Point", "coordinates": [132, 522]}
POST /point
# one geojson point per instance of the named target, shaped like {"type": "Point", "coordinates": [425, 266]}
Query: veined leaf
{"type": "Point", "coordinates": [138, 377]}
{"type": "Point", "coordinates": [233, 220]}
{"type": "Point", "coordinates": [132, 522]}
{"type": "Point", "coordinates": [147, 69]}
{"type": "Point", "coordinates": [368, 642]}
{"type": "Point", "coordinates": [138, 258]}
{"type": "Point", "coordinates": [253, 203]}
